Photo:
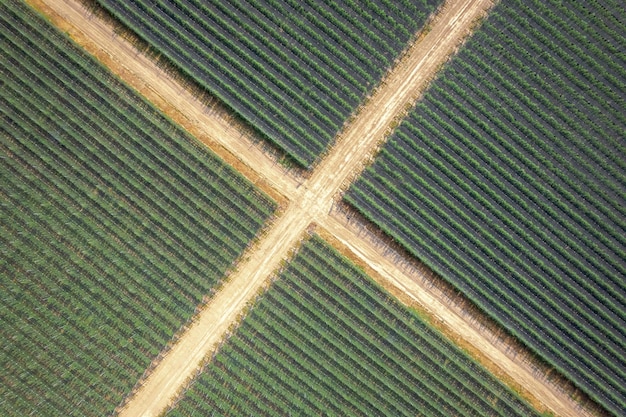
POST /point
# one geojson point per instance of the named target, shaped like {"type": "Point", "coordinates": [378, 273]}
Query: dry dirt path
{"type": "Point", "coordinates": [451, 318]}
{"type": "Point", "coordinates": [210, 125]}
{"type": "Point", "coordinates": [306, 201]}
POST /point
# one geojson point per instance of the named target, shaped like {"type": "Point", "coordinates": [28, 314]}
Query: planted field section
{"type": "Point", "coordinates": [509, 180]}
{"type": "Point", "coordinates": [114, 224]}
{"type": "Point", "coordinates": [294, 69]}
{"type": "Point", "coordinates": [327, 340]}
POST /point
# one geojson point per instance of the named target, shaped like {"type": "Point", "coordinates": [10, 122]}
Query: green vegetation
{"type": "Point", "coordinates": [509, 180]}
{"type": "Point", "coordinates": [294, 69]}
{"type": "Point", "coordinates": [114, 224]}
{"type": "Point", "coordinates": [327, 340]}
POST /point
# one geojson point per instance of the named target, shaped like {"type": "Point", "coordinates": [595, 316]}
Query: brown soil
{"type": "Point", "coordinates": [303, 201]}
{"type": "Point", "coordinates": [211, 124]}
{"type": "Point", "coordinates": [418, 287]}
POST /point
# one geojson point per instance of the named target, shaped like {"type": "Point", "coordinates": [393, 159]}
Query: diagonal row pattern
{"type": "Point", "coordinates": [309, 200]}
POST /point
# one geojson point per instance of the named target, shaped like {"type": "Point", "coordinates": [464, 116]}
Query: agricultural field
{"type": "Point", "coordinates": [508, 179]}
{"type": "Point", "coordinates": [327, 340]}
{"type": "Point", "coordinates": [294, 70]}
{"type": "Point", "coordinates": [114, 224]}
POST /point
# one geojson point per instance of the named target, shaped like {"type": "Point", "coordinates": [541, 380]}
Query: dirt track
{"type": "Point", "coordinates": [424, 295]}
{"type": "Point", "coordinates": [210, 125]}
{"type": "Point", "coordinates": [306, 201]}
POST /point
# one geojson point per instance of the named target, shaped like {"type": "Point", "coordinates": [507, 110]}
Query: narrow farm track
{"type": "Point", "coordinates": [304, 201]}
{"type": "Point", "coordinates": [452, 317]}
{"type": "Point", "coordinates": [211, 125]}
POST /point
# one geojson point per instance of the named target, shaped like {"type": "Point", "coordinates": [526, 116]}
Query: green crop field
{"type": "Point", "coordinates": [327, 340]}
{"type": "Point", "coordinates": [114, 224]}
{"type": "Point", "coordinates": [295, 70]}
{"type": "Point", "coordinates": [509, 180]}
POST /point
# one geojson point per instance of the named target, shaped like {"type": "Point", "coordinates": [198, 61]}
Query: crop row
{"type": "Point", "coordinates": [113, 225]}
{"type": "Point", "coordinates": [327, 340]}
{"type": "Point", "coordinates": [507, 179]}
{"type": "Point", "coordinates": [294, 70]}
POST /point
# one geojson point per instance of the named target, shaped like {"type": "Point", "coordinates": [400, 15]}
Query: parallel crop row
{"type": "Point", "coordinates": [509, 179]}
{"type": "Point", "coordinates": [326, 340]}
{"type": "Point", "coordinates": [113, 226]}
{"type": "Point", "coordinates": [295, 70]}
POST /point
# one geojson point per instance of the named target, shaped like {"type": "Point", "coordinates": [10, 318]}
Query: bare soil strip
{"type": "Point", "coordinates": [306, 201]}
{"type": "Point", "coordinates": [211, 125]}
{"type": "Point", "coordinates": [451, 318]}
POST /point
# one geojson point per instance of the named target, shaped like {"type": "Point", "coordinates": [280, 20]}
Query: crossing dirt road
{"type": "Point", "coordinates": [304, 201]}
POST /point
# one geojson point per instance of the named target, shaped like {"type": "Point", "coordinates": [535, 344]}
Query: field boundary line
{"type": "Point", "coordinates": [303, 201]}
{"type": "Point", "coordinates": [415, 285]}
{"type": "Point", "coordinates": [212, 125]}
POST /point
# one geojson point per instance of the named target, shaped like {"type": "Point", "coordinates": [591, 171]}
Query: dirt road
{"type": "Point", "coordinates": [449, 317]}
{"type": "Point", "coordinates": [305, 201]}
{"type": "Point", "coordinates": [209, 124]}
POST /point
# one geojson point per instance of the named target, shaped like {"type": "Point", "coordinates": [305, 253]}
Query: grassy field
{"type": "Point", "coordinates": [326, 340]}
{"type": "Point", "coordinates": [114, 224]}
{"type": "Point", "coordinates": [508, 179]}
